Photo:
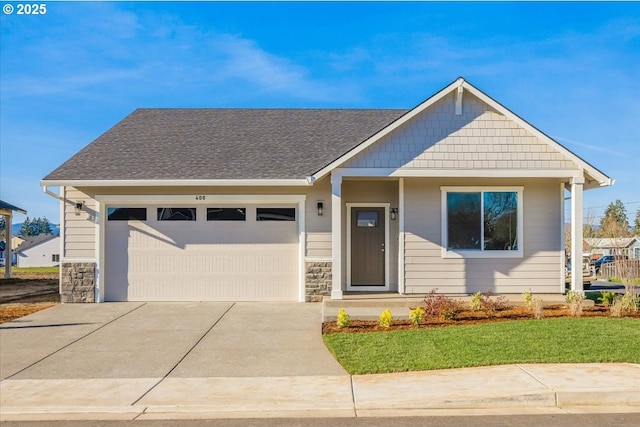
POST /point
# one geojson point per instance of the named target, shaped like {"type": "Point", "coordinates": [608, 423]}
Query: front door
{"type": "Point", "coordinates": [367, 247]}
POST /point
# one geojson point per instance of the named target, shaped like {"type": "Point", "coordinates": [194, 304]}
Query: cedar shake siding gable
{"type": "Point", "coordinates": [182, 144]}
{"type": "Point", "coordinates": [479, 138]}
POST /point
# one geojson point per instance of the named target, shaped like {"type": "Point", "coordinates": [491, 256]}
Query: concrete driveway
{"type": "Point", "coordinates": [160, 340]}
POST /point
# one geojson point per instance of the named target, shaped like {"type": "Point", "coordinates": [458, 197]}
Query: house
{"type": "Point", "coordinates": [15, 242]}
{"type": "Point", "coordinates": [458, 194]}
{"type": "Point", "coordinates": [39, 251]}
{"type": "Point", "coordinates": [625, 246]}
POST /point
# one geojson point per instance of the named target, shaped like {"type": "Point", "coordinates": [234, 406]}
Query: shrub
{"type": "Point", "coordinates": [491, 305]}
{"type": "Point", "coordinates": [416, 315]}
{"type": "Point", "coordinates": [575, 306]}
{"type": "Point", "coordinates": [386, 318]}
{"type": "Point", "coordinates": [527, 298]}
{"type": "Point", "coordinates": [538, 308]}
{"type": "Point", "coordinates": [607, 297]}
{"type": "Point", "coordinates": [343, 319]}
{"type": "Point", "coordinates": [630, 301]}
{"type": "Point", "coordinates": [571, 295]}
{"type": "Point", "coordinates": [441, 306]}
{"type": "Point", "coordinates": [615, 309]}
{"type": "Point", "coordinates": [476, 301]}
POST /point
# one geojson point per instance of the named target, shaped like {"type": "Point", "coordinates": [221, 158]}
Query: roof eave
{"type": "Point", "coordinates": [174, 182]}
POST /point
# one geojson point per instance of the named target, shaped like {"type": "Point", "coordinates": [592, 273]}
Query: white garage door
{"type": "Point", "coordinates": [203, 253]}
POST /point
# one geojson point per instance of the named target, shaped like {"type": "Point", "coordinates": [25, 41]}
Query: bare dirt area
{"type": "Point", "coordinates": [471, 318]}
{"type": "Point", "coordinates": [25, 295]}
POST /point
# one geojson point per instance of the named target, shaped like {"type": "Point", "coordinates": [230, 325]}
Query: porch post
{"type": "Point", "coordinates": [336, 236]}
{"type": "Point", "coordinates": [576, 233]}
{"type": "Point", "coordinates": [8, 253]}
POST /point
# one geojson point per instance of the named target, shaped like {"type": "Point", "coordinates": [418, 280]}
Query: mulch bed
{"type": "Point", "coordinates": [469, 318]}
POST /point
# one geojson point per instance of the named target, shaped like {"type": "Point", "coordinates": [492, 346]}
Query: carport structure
{"type": "Point", "coordinates": [6, 210]}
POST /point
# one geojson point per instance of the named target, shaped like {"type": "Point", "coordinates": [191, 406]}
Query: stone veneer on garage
{"type": "Point", "coordinates": [78, 282]}
{"type": "Point", "coordinates": [317, 281]}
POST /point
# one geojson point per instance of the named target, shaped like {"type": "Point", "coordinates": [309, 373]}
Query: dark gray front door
{"type": "Point", "coordinates": [367, 246]}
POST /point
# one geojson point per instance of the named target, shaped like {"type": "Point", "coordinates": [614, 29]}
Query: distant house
{"type": "Point", "coordinates": [627, 246]}
{"type": "Point", "coordinates": [15, 242]}
{"type": "Point", "coordinates": [39, 251]}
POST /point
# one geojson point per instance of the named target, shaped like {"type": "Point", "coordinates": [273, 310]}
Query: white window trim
{"type": "Point", "coordinates": [480, 253]}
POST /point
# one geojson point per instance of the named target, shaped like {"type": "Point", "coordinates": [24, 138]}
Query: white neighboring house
{"type": "Point", "coordinates": [39, 251]}
{"type": "Point", "coordinates": [629, 246]}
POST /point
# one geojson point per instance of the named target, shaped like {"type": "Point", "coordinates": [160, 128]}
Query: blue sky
{"type": "Point", "coordinates": [570, 69]}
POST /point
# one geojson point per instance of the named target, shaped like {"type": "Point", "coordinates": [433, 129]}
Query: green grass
{"type": "Point", "coordinates": [565, 340]}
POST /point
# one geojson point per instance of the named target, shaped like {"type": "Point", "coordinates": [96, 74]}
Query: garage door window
{"type": "Point", "coordinates": [226, 214]}
{"type": "Point", "coordinates": [176, 214]}
{"type": "Point", "coordinates": [126, 214]}
{"type": "Point", "coordinates": [276, 214]}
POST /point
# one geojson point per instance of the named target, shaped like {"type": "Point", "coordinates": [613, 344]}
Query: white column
{"type": "Point", "coordinates": [7, 246]}
{"type": "Point", "coordinates": [576, 233]}
{"type": "Point", "coordinates": [401, 264]}
{"type": "Point", "coordinates": [336, 237]}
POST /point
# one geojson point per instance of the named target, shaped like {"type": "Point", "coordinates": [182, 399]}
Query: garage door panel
{"type": "Point", "coordinates": [202, 260]}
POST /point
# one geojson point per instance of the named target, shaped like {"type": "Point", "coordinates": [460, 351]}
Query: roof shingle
{"type": "Point", "coordinates": [178, 144]}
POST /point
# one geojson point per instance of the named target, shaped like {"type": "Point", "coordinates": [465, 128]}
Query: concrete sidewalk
{"type": "Point", "coordinates": [248, 360]}
{"type": "Point", "coordinates": [496, 389]}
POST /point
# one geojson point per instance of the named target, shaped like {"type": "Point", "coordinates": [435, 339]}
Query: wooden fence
{"type": "Point", "coordinates": [627, 268]}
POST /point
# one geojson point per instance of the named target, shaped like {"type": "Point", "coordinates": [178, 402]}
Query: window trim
{"type": "Point", "coordinates": [481, 253]}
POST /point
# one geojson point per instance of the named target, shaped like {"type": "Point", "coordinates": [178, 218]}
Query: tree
{"type": "Point", "coordinates": [25, 229]}
{"type": "Point", "coordinates": [615, 220]}
{"type": "Point", "coordinates": [636, 223]}
{"type": "Point", "coordinates": [41, 226]}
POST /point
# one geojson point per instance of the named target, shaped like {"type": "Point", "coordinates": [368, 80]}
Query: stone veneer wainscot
{"type": "Point", "coordinates": [317, 281]}
{"type": "Point", "coordinates": [78, 282]}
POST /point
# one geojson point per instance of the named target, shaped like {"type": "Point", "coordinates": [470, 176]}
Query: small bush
{"type": "Point", "coordinates": [538, 308]}
{"type": "Point", "coordinates": [386, 318]}
{"type": "Point", "coordinates": [575, 306]}
{"type": "Point", "coordinates": [607, 297]}
{"type": "Point", "coordinates": [630, 302]}
{"type": "Point", "coordinates": [441, 306]}
{"type": "Point", "coordinates": [476, 301]}
{"type": "Point", "coordinates": [416, 315]}
{"type": "Point", "coordinates": [571, 295]}
{"type": "Point", "coordinates": [491, 305]}
{"type": "Point", "coordinates": [527, 298]}
{"type": "Point", "coordinates": [343, 319]}
{"type": "Point", "coordinates": [615, 309]}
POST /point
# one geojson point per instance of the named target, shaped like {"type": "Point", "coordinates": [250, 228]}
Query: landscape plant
{"type": "Point", "coordinates": [441, 306]}
{"type": "Point", "coordinates": [575, 306]}
{"type": "Point", "coordinates": [416, 315]}
{"type": "Point", "coordinates": [607, 297]}
{"type": "Point", "coordinates": [343, 319]}
{"type": "Point", "coordinates": [537, 307]}
{"type": "Point", "coordinates": [527, 298]}
{"type": "Point", "coordinates": [476, 301]}
{"type": "Point", "coordinates": [615, 309]}
{"type": "Point", "coordinates": [386, 318]}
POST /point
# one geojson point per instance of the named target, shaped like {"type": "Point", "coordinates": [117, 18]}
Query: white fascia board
{"type": "Point", "coordinates": [178, 183]}
{"type": "Point", "coordinates": [456, 173]}
{"type": "Point", "coordinates": [384, 132]}
{"type": "Point", "coordinates": [602, 179]}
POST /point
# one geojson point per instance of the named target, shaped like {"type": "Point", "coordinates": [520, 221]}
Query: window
{"type": "Point", "coordinates": [176, 214]}
{"type": "Point", "coordinates": [482, 223]}
{"type": "Point", "coordinates": [226, 214]}
{"type": "Point", "coordinates": [126, 214]}
{"type": "Point", "coordinates": [55, 258]}
{"type": "Point", "coordinates": [366, 219]}
{"type": "Point", "coordinates": [276, 214]}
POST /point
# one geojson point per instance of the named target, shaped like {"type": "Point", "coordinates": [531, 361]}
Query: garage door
{"type": "Point", "coordinates": [203, 253]}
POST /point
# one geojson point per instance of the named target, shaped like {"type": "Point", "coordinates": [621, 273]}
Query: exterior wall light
{"type": "Point", "coordinates": [320, 206]}
{"type": "Point", "coordinates": [394, 214]}
{"type": "Point", "coordinates": [79, 206]}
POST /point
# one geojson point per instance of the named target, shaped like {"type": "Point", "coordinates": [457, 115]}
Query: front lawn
{"type": "Point", "coordinates": [562, 340]}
